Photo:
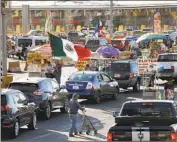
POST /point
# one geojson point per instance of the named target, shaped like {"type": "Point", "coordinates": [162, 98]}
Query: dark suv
{"type": "Point", "coordinates": [16, 112]}
{"type": "Point", "coordinates": [126, 73]}
{"type": "Point", "coordinates": [45, 93]}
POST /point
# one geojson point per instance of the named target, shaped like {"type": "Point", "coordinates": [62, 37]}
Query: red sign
{"type": "Point", "coordinates": [16, 21]}
{"type": "Point", "coordinates": [35, 21]}
{"type": "Point", "coordinates": [55, 22]}
{"type": "Point", "coordinates": [75, 22]}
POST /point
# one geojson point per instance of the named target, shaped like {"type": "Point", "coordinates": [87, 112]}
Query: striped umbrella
{"type": "Point", "coordinates": [151, 36]}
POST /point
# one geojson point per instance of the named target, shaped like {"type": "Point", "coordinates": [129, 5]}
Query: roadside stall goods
{"type": "Point", "coordinates": [125, 55]}
{"type": "Point", "coordinates": [80, 65]}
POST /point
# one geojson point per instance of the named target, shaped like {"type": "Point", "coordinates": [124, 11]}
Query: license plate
{"type": "Point", "coordinates": [140, 134]}
{"type": "Point", "coordinates": [76, 87]}
{"type": "Point", "coordinates": [117, 75]}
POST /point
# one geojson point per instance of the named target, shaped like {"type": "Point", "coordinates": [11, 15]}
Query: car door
{"type": "Point", "coordinates": [21, 108]}
{"type": "Point", "coordinates": [24, 102]}
{"type": "Point", "coordinates": [107, 84]}
{"type": "Point", "coordinates": [102, 84]}
{"type": "Point", "coordinates": [57, 97]}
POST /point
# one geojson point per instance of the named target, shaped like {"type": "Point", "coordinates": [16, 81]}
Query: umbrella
{"type": "Point", "coordinates": [108, 51]}
{"type": "Point", "coordinates": [173, 36]}
{"type": "Point", "coordinates": [130, 38]}
{"type": "Point", "coordinates": [151, 36]}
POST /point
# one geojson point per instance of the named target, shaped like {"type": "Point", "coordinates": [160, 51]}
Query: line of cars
{"type": "Point", "coordinates": [26, 99]}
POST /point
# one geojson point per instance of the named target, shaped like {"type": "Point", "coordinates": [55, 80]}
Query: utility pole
{"type": "Point", "coordinates": [3, 37]}
{"type": "Point", "coordinates": [111, 17]}
{"type": "Point", "coordinates": [0, 45]}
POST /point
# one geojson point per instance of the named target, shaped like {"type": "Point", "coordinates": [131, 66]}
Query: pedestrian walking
{"type": "Point", "coordinates": [57, 71]}
{"type": "Point", "coordinates": [73, 113]}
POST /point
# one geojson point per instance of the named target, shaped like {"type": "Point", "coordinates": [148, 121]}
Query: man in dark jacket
{"type": "Point", "coordinates": [73, 112]}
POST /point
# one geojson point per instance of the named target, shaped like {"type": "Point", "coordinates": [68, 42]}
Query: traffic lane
{"type": "Point", "coordinates": [58, 126]}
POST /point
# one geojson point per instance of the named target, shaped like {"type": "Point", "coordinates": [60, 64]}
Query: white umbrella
{"type": "Point", "coordinates": [173, 36]}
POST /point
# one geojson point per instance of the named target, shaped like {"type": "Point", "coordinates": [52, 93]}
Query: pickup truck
{"type": "Point", "coordinates": [169, 63]}
{"type": "Point", "coordinates": [145, 120]}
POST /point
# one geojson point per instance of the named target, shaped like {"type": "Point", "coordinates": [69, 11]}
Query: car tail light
{"type": "Point", "coordinates": [109, 137]}
{"type": "Point", "coordinates": [131, 75]}
{"type": "Point", "coordinates": [38, 93]}
{"type": "Point", "coordinates": [5, 108]}
{"type": "Point", "coordinates": [173, 136]}
{"type": "Point", "coordinates": [89, 86]}
{"type": "Point", "coordinates": [173, 68]}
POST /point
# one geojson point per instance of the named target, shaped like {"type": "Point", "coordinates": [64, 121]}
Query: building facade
{"type": "Point", "coordinates": [136, 17]}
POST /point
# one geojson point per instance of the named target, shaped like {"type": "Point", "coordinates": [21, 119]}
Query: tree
{"type": "Point", "coordinates": [69, 23]}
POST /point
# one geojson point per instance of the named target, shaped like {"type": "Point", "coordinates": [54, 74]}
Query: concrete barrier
{"type": "Point", "coordinates": [6, 80]}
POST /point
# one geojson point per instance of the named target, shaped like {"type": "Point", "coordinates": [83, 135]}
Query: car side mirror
{"type": "Point", "coordinates": [62, 87]}
{"type": "Point", "coordinates": [115, 114]}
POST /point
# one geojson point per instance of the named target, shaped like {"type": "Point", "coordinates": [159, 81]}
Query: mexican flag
{"type": "Point", "coordinates": [64, 48]}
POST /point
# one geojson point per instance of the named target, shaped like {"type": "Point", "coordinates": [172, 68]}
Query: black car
{"type": "Point", "coordinates": [45, 93]}
{"type": "Point", "coordinates": [16, 112]}
{"type": "Point", "coordinates": [126, 73]}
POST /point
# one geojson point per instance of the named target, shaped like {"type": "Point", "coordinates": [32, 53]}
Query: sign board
{"type": "Point", "coordinates": [144, 63]}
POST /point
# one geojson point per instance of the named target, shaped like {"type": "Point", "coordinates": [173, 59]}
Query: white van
{"type": "Point", "coordinates": [169, 63]}
{"type": "Point", "coordinates": [30, 42]}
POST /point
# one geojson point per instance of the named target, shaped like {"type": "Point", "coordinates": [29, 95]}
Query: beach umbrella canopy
{"type": "Point", "coordinates": [151, 36]}
{"type": "Point", "coordinates": [130, 38]}
{"type": "Point", "coordinates": [173, 36]}
{"type": "Point", "coordinates": [108, 51]}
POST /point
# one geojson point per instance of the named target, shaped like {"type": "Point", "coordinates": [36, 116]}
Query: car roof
{"type": "Point", "coordinates": [88, 72]}
{"type": "Point", "coordinates": [30, 80]}
{"type": "Point", "coordinates": [124, 61]}
{"type": "Point", "coordinates": [151, 101]}
{"type": "Point", "coordinates": [6, 91]}
{"type": "Point", "coordinates": [168, 54]}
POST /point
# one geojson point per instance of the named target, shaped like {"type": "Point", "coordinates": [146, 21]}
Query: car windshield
{"type": "Point", "coordinates": [24, 42]}
{"type": "Point", "coordinates": [82, 77]}
{"type": "Point", "coordinates": [3, 100]}
{"type": "Point", "coordinates": [92, 45]}
{"type": "Point", "coordinates": [147, 109]}
{"type": "Point", "coordinates": [120, 67]}
{"type": "Point", "coordinates": [167, 58]}
{"type": "Point", "coordinates": [24, 87]}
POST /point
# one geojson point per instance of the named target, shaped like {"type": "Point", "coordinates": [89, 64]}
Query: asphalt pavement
{"type": "Point", "coordinates": [56, 129]}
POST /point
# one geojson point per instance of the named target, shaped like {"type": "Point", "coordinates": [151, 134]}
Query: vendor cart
{"type": "Point", "coordinates": [150, 90]}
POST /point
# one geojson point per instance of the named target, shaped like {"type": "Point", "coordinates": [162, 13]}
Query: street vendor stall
{"type": "Point", "coordinates": [37, 57]}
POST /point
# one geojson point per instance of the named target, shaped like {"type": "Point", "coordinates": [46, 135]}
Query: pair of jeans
{"type": "Point", "coordinates": [73, 118]}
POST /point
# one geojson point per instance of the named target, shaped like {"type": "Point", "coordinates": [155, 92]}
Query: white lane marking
{"type": "Point", "coordinates": [45, 135]}
{"type": "Point", "coordinates": [63, 131]}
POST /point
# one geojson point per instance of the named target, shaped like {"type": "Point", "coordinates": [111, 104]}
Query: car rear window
{"type": "Point", "coordinates": [93, 45]}
{"type": "Point", "coordinates": [3, 100]}
{"type": "Point", "coordinates": [167, 58]}
{"type": "Point", "coordinates": [147, 109]}
{"type": "Point", "coordinates": [119, 67]}
{"type": "Point", "coordinates": [73, 34]}
{"type": "Point", "coordinates": [24, 87]}
{"type": "Point", "coordinates": [82, 77]}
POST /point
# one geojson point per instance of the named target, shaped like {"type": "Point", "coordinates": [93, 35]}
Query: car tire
{"type": "Point", "coordinates": [32, 124]}
{"type": "Point", "coordinates": [15, 129]}
{"type": "Point", "coordinates": [116, 94]}
{"type": "Point", "coordinates": [97, 97]}
{"type": "Point", "coordinates": [136, 87]}
{"type": "Point", "coordinates": [65, 109]}
{"type": "Point", "coordinates": [47, 112]}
